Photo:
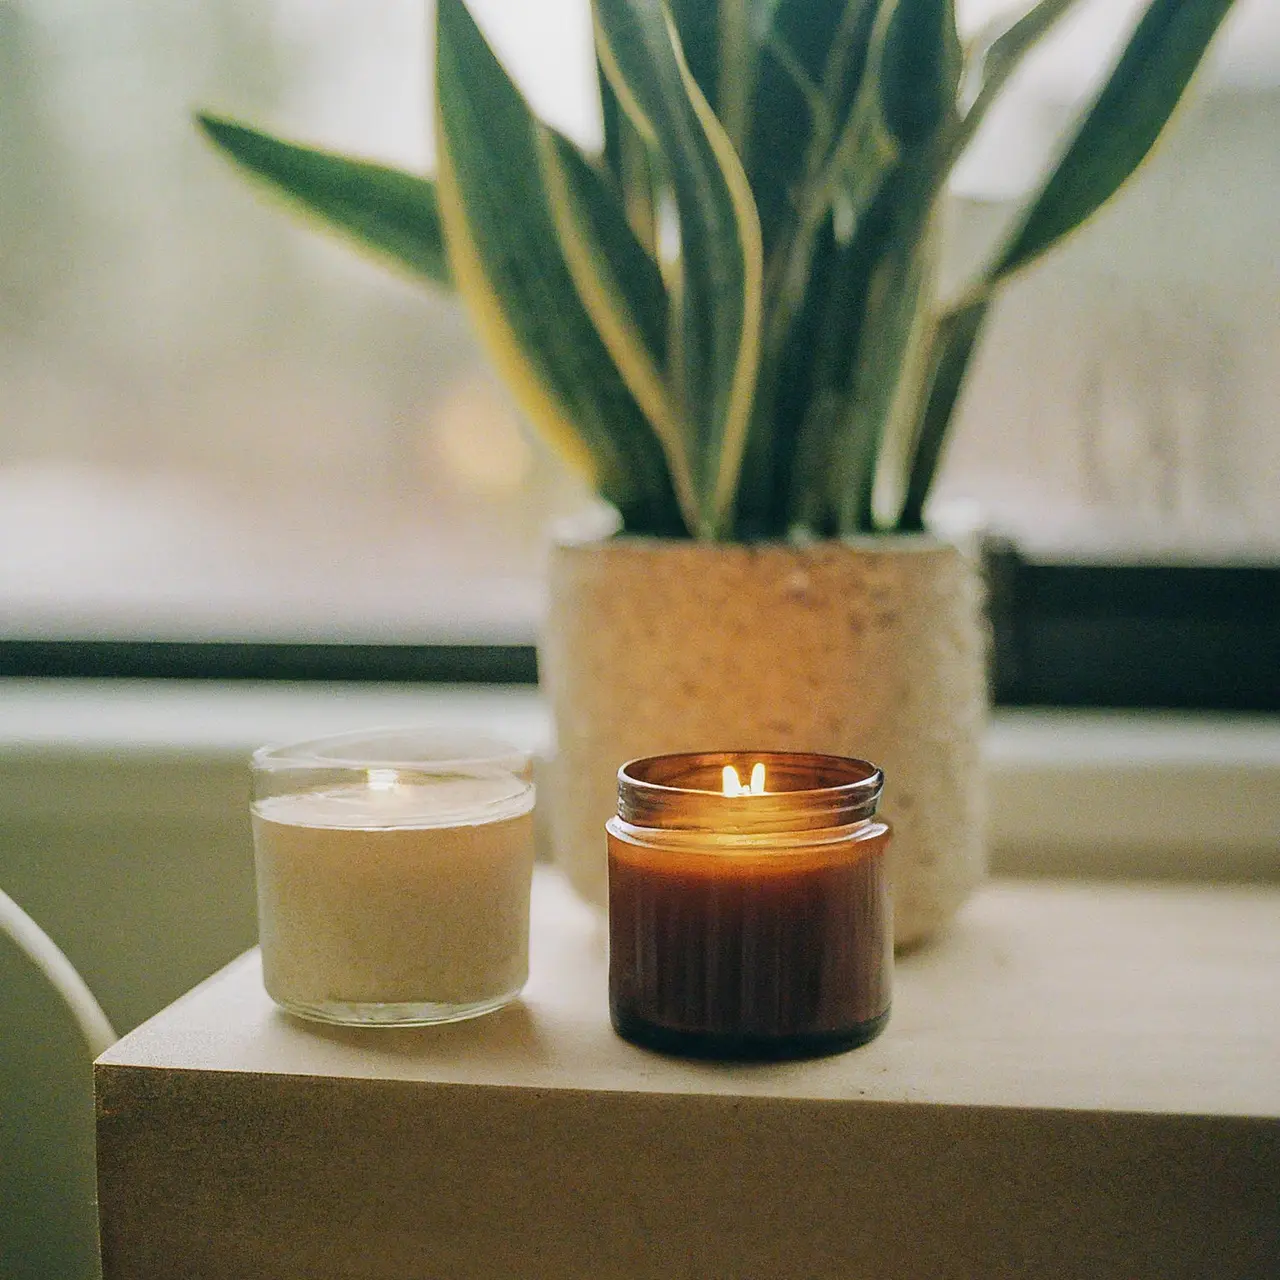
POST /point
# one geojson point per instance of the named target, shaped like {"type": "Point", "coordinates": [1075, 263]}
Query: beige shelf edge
{"type": "Point", "coordinates": [1044, 995]}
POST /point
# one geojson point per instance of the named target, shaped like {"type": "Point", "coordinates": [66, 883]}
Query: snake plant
{"type": "Point", "coordinates": [729, 318]}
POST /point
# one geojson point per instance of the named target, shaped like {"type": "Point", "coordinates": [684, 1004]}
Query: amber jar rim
{"type": "Point", "coordinates": [678, 792]}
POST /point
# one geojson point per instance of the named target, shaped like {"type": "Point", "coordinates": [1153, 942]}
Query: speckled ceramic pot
{"type": "Point", "coordinates": [873, 648]}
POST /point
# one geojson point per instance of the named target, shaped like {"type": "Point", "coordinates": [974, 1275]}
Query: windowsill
{"type": "Point", "coordinates": [1071, 793]}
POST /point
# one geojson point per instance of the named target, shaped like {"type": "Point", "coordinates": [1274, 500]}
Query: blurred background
{"type": "Point", "coordinates": [217, 424]}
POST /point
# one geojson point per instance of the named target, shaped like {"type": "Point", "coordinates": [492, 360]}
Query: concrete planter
{"type": "Point", "coordinates": [872, 647]}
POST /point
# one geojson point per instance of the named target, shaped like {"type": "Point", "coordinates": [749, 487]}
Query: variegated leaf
{"type": "Point", "coordinates": [720, 259]}
{"type": "Point", "coordinates": [810, 62]}
{"type": "Point", "coordinates": [622, 290]}
{"type": "Point", "coordinates": [951, 347]}
{"type": "Point", "coordinates": [920, 71]}
{"type": "Point", "coordinates": [994, 56]}
{"type": "Point", "coordinates": [390, 212]}
{"type": "Point", "coordinates": [1121, 127]}
{"type": "Point", "coordinates": [510, 272]}
{"type": "Point", "coordinates": [1114, 138]}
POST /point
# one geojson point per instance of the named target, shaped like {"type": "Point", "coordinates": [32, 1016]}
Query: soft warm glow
{"type": "Point", "coordinates": [475, 437]}
{"type": "Point", "coordinates": [732, 784]}
{"type": "Point", "coordinates": [382, 779]}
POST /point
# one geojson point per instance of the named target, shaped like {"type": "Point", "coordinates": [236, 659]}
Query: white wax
{"type": "Point", "coordinates": [446, 801]}
{"type": "Point", "coordinates": [408, 893]}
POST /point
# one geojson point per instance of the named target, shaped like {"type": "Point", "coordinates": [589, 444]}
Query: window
{"type": "Point", "coordinates": [217, 426]}
{"type": "Point", "coordinates": [214, 424]}
{"type": "Point", "coordinates": [1124, 404]}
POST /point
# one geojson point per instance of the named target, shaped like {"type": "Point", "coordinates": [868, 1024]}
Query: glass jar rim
{"type": "Point", "coordinates": [840, 790]}
{"type": "Point", "coordinates": [417, 748]}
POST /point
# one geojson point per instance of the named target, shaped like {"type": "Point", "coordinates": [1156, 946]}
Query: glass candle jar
{"type": "Point", "coordinates": [749, 920]}
{"type": "Point", "coordinates": [393, 874]}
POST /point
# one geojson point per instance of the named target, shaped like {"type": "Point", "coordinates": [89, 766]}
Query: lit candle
{"type": "Point", "coordinates": [393, 892]}
{"type": "Point", "coordinates": [749, 920]}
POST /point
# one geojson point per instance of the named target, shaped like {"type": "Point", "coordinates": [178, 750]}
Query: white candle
{"type": "Point", "coordinates": [410, 895]}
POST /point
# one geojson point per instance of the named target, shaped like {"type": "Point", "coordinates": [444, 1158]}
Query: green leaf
{"type": "Point", "coordinates": [841, 355]}
{"type": "Point", "coordinates": [698, 25]}
{"type": "Point", "coordinates": [1114, 138]}
{"type": "Point", "coordinates": [737, 52]}
{"type": "Point", "coordinates": [954, 338]}
{"type": "Point", "coordinates": [719, 295]}
{"type": "Point", "coordinates": [510, 272]}
{"type": "Point", "coordinates": [844, 172]}
{"type": "Point", "coordinates": [817, 142]}
{"type": "Point", "coordinates": [879, 185]}
{"type": "Point", "coordinates": [627, 157]}
{"type": "Point", "coordinates": [817, 374]}
{"type": "Point", "coordinates": [1121, 127]}
{"type": "Point", "coordinates": [862, 134]}
{"type": "Point", "coordinates": [722, 41]}
{"type": "Point", "coordinates": [391, 212]}
{"type": "Point", "coordinates": [621, 287]}
{"type": "Point", "coordinates": [591, 218]}
{"type": "Point", "coordinates": [899, 292]}
{"type": "Point", "coordinates": [920, 71]}
{"type": "Point", "coordinates": [811, 59]}
{"type": "Point", "coordinates": [995, 55]}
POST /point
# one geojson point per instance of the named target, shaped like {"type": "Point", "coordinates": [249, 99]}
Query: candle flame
{"type": "Point", "coordinates": [382, 779]}
{"type": "Point", "coordinates": [732, 784]}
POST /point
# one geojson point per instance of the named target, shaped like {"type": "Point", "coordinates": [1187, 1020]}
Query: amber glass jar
{"type": "Point", "coordinates": [749, 925]}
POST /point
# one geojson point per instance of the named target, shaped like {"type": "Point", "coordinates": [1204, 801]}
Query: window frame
{"type": "Point", "coordinates": [1064, 634]}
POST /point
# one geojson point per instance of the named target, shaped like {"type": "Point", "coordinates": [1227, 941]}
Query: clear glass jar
{"type": "Point", "coordinates": [749, 925]}
{"type": "Point", "coordinates": [393, 875]}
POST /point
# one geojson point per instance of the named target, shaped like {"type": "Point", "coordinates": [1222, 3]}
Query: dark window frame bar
{"type": "Point", "coordinates": [1160, 636]}
{"type": "Point", "coordinates": [1188, 637]}
{"type": "Point", "coordinates": [270, 660]}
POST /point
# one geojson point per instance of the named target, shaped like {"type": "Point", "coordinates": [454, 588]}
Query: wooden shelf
{"type": "Point", "coordinates": [1079, 1079]}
